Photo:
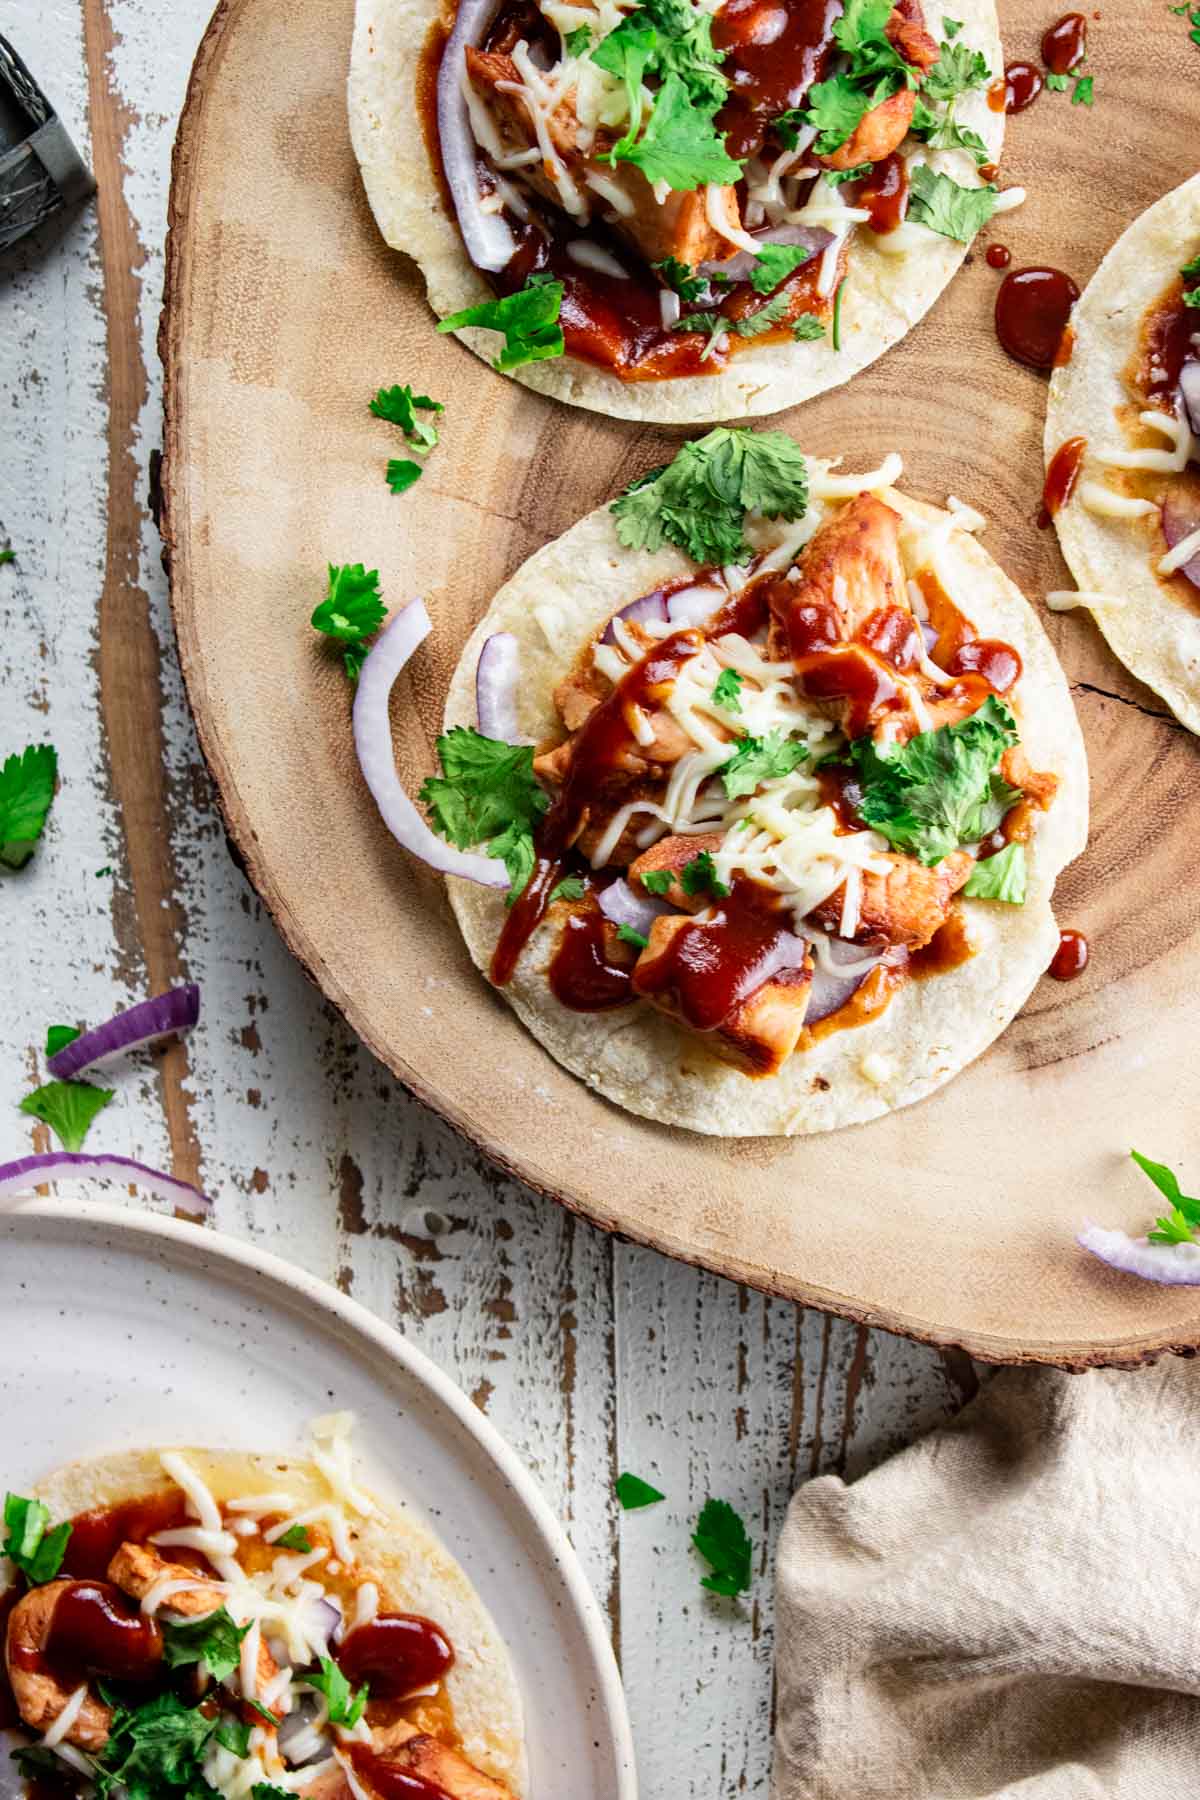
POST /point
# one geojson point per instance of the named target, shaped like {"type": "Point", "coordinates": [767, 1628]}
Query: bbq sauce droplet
{"type": "Point", "coordinates": [1022, 85]}
{"type": "Point", "coordinates": [1064, 45]}
{"type": "Point", "coordinates": [1071, 957]}
{"type": "Point", "coordinates": [394, 1654]}
{"type": "Point", "coordinates": [998, 256]}
{"type": "Point", "coordinates": [1032, 310]}
{"type": "Point", "coordinates": [1062, 476]}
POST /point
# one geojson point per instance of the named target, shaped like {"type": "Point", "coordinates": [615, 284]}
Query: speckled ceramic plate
{"type": "Point", "coordinates": [118, 1329]}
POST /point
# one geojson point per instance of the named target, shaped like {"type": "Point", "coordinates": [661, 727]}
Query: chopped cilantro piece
{"type": "Point", "coordinates": [677, 275]}
{"type": "Point", "coordinates": [628, 935]}
{"type": "Point", "coordinates": [626, 54]}
{"type": "Point", "coordinates": [727, 690]}
{"type": "Point", "coordinates": [213, 1640]}
{"type": "Point", "coordinates": [999, 877]}
{"type": "Point", "coordinates": [837, 177]}
{"type": "Point", "coordinates": [263, 1712]}
{"type": "Point", "coordinates": [1190, 271]}
{"type": "Point", "coordinates": [487, 792]}
{"type": "Point", "coordinates": [351, 612]}
{"type": "Point", "coordinates": [942, 131]}
{"type": "Point", "coordinates": [68, 1108]}
{"type": "Point", "coordinates": [700, 500]}
{"type": "Point", "coordinates": [155, 1749]}
{"type": "Point", "coordinates": [656, 881]}
{"type": "Point", "coordinates": [345, 1707]}
{"type": "Point", "coordinates": [775, 263]}
{"type": "Point", "coordinates": [1084, 91]}
{"type": "Point", "coordinates": [633, 1492]}
{"type": "Point", "coordinates": [958, 70]}
{"type": "Point", "coordinates": [38, 1553]}
{"type": "Point", "coordinates": [400, 406]}
{"type": "Point", "coordinates": [59, 1036]}
{"type": "Point", "coordinates": [943, 788]}
{"type": "Point", "coordinates": [722, 1541]}
{"type": "Point", "coordinates": [233, 1736]}
{"type": "Point", "coordinates": [681, 144]}
{"type": "Point", "coordinates": [946, 207]}
{"type": "Point", "coordinates": [7, 555]}
{"type": "Point", "coordinates": [835, 335]}
{"type": "Point", "coordinates": [756, 760]}
{"type": "Point", "coordinates": [700, 875]}
{"type": "Point", "coordinates": [26, 791]}
{"type": "Point", "coordinates": [295, 1538]}
{"type": "Point", "coordinates": [401, 473]}
{"type": "Point", "coordinates": [951, 27]}
{"type": "Point", "coordinates": [264, 1790]}
{"type": "Point", "coordinates": [528, 319]}
{"type": "Point", "coordinates": [1183, 1220]}
{"type": "Point", "coordinates": [807, 328]}
{"type": "Point", "coordinates": [749, 325]}
{"type": "Point", "coordinates": [836, 108]}
{"type": "Point", "coordinates": [571, 887]}
{"type": "Point", "coordinates": [577, 41]}
{"type": "Point", "coordinates": [1056, 83]}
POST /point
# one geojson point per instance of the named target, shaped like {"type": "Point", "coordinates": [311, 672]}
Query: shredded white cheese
{"type": "Point", "coordinates": [1163, 462]}
{"type": "Point", "coordinates": [1183, 552]}
{"type": "Point", "coordinates": [1064, 599]}
{"type": "Point", "coordinates": [1107, 504]}
{"type": "Point", "coordinates": [55, 1733]}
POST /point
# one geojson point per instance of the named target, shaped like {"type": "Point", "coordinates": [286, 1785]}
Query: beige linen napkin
{"type": "Point", "coordinates": [1010, 1607]}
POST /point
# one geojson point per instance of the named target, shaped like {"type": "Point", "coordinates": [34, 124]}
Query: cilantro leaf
{"type": "Point", "coordinates": [38, 1553]}
{"type": "Point", "coordinates": [26, 791]}
{"type": "Point", "coordinates": [722, 1541]}
{"type": "Point", "coordinates": [487, 792]}
{"type": "Point", "coordinates": [7, 555]}
{"type": "Point", "coordinates": [727, 690]}
{"type": "Point", "coordinates": [700, 500]}
{"type": "Point", "coordinates": [958, 70]}
{"type": "Point", "coordinates": [681, 144]}
{"type": "Point", "coordinates": [571, 887]}
{"type": "Point", "coordinates": [836, 108]}
{"type": "Point", "coordinates": [59, 1036]}
{"type": "Point", "coordinates": [950, 210]}
{"type": "Point", "coordinates": [700, 875]}
{"type": "Point", "coordinates": [626, 54]}
{"type": "Point", "coordinates": [951, 27]}
{"type": "Point", "coordinates": [213, 1640]}
{"type": "Point", "coordinates": [633, 1492]}
{"type": "Point", "coordinates": [774, 264]}
{"type": "Point", "coordinates": [940, 790]}
{"type": "Point", "coordinates": [999, 877]}
{"type": "Point", "coordinates": [1183, 1219]}
{"type": "Point", "coordinates": [1056, 83]}
{"type": "Point", "coordinates": [234, 1736]}
{"type": "Point", "coordinates": [656, 881]}
{"type": "Point", "coordinates": [577, 41]}
{"type": "Point", "coordinates": [528, 319]}
{"type": "Point", "coordinates": [68, 1108]}
{"type": "Point", "coordinates": [399, 405]}
{"type": "Point", "coordinates": [757, 760]}
{"type": "Point", "coordinates": [942, 131]}
{"type": "Point", "coordinates": [628, 935]}
{"type": "Point", "coordinates": [749, 325]}
{"type": "Point", "coordinates": [401, 473]}
{"type": "Point", "coordinates": [679, 276]}
{"type": "Point", "coordinates": [836, 177]}
{"type": "Point", "coordinates": [1083, 93]}
{"type": "Point", "coordinates": [862, 24]}
{"type": "Point", "coordinates": [345, 1707]}
{"type": "Point", "coordinates": [156, 1748]}
{"type": "Point", "coordinates": [351, 611]}
{"type": "Point", "coordinates": [294, 1538]}
{"type": "Point", "coordinates": [807, 328]}
{"type": "Point", "coordinates": [686, 49]}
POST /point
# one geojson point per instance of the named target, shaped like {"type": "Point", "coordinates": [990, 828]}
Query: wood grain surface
{"type": "Point", "coordinates": [953, 1220]}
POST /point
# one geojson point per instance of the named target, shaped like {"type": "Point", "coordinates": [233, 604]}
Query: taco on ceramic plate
{"type": "Point", "coordinates": [755, 787]}
{"type": "Point", "coordinates": [675, 210]}
{"type": "Point", "coordinates": [1123, 449]}
{"type": "Point", "coordinates": [204, 1622]}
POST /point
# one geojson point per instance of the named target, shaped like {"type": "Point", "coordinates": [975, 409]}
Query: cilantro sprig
{"type": "Point", "coordinates": [487, 794]}
{"type": "Point", "coordinates": [26, 793]}
{"type": "Point", "coordinates": [68, 1108]}
{"type": "Point", "coordinates": [1182, 1221]}
{"type": "Point", "coordinates": [346, 1707]}
{"type": "Point", "coordinates": [756, 760]}
{"type": "Point", "coordinates": [35, 1550]}
{"type": "Point", "coordinates": [400, 406]}
{"type": "Point", "coordinates": [724, 1543]}
{"type": "Point", "coordinates": [775, 262]}
{"type": "Point", "coordinates": [700, 876]}
{"type": "Point", "coordinates": [681, 143]}
{"type": "Point", "coordinates": [700, 500]}
{"type": "Point", "coordinates": [214, 1640]}
{"type": "Point", "coordinates": [946, 206]}
{"type": "Point", "coordinates": [351, 612]}
{"type": "Point", "coordinates": [681, 277]}
{"type": "Point", "coordinates": [727, 690]}
{"type": "Point", "coordinates": [527, 320]}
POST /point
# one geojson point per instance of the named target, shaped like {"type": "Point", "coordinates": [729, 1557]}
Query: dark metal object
{"type": "Point", "coordinates": [40, 168]}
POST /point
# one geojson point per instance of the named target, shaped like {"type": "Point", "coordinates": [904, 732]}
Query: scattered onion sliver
{"type": "Point", "coordinates": [1171, 1265]}
{"type": "Point", "coordinates": [487, 238]}
{"type": "Point", "coordinates": [17, 1178]}
{"type": "Point", "coordinates": [695, 605]}
{"type": "Point", "coordinates": [620, 903]}
{"type": "Point", "coordinates": [162, 1015]}
{"type": "Point", "coordinates": [496, 676]}
{"type": "Point", "coordinates": [652, 606]}
{"type": "Point", "coordinates": [1180, 519]}
{"type": "Point", "coordinates": [377, 758]}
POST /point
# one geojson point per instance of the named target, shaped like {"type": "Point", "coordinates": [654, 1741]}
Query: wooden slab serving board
{"type": "Point", "coordinates": [952, 1220]}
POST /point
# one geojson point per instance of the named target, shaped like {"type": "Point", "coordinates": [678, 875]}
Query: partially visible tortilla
{"type": "Point", "coordinates": [642, 1060]}
{"type": "Point", "coordinates": [414, 1571]}
{"type": "Point", "coordinates": [1152, 623]}
{"type": "Point", "coordinates": [885, 292]}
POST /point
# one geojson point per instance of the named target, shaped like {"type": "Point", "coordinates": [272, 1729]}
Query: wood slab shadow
{"type": "Point", "coordinates": [951, 1221]}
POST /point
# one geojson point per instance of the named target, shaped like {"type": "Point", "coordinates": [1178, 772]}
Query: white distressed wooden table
{"type": "Point", "coordinates": [591, 1356]}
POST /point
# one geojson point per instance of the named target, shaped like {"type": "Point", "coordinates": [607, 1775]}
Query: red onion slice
{"type": "Point", "coordinates": [619, 902]}
{"type": "Point", "coordinates": [1180, 518]}
{"type": "Point", "coordinates": [1172, 1265]}
{"type": "Point", "coordinates": [71, 1165]}
{"type": "Point", "coordinates": [377, 757]}
{"type": "Point", "coordinates": [1189, 388]}
{"type": "Point", "coordinates": [163, 1014]}
{"type": "Point", "coordinates": [489, 242]}
{"type": "Point", "coordinates": [496, 676]}
{"type": "Point", "coordinates": [832, 988]}
{"type": "Point", "coordinates": [814, 238]}
{"type": "Point", "coordinates": [647, 607]}
{"type": "Point", "coordinates": [695, 605]}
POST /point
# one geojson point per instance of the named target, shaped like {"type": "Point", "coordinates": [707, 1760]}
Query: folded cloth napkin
{"type": "Point", "coordinates": [1009, 1607]}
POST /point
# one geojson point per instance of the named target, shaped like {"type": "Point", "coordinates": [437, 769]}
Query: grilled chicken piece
{"type": "Point", "coordinates": [679, 227]}
{"type": "Point", "coordinates": [136, 1568]}
{"type": "Point", "coordinates": [39, 1695]}
{"type": "Point", "coordinates": [674, 853]}
{"type": "Point", "coordinates": [904, 907]}
{"type": "Point", "coordinates": [759, 1034]}
{"type": "Point", "coordinates": [405, 1747]}
{"type": "Point", "coordinates": [850, 569]}
{"type": "Point", "coordinates": [906, 33]}
{"type": "Point", "coordinates": [1038, 788]}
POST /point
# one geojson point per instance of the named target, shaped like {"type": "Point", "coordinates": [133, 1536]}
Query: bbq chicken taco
{"type": "Point", "coordinates": [781, 770]}
{"type": "Point", "coordinates": [197, 1623]}
{"type": "Point", "coordinates": [1123, 450]}
{"type": "Point", "coordinates": [678, 210]}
